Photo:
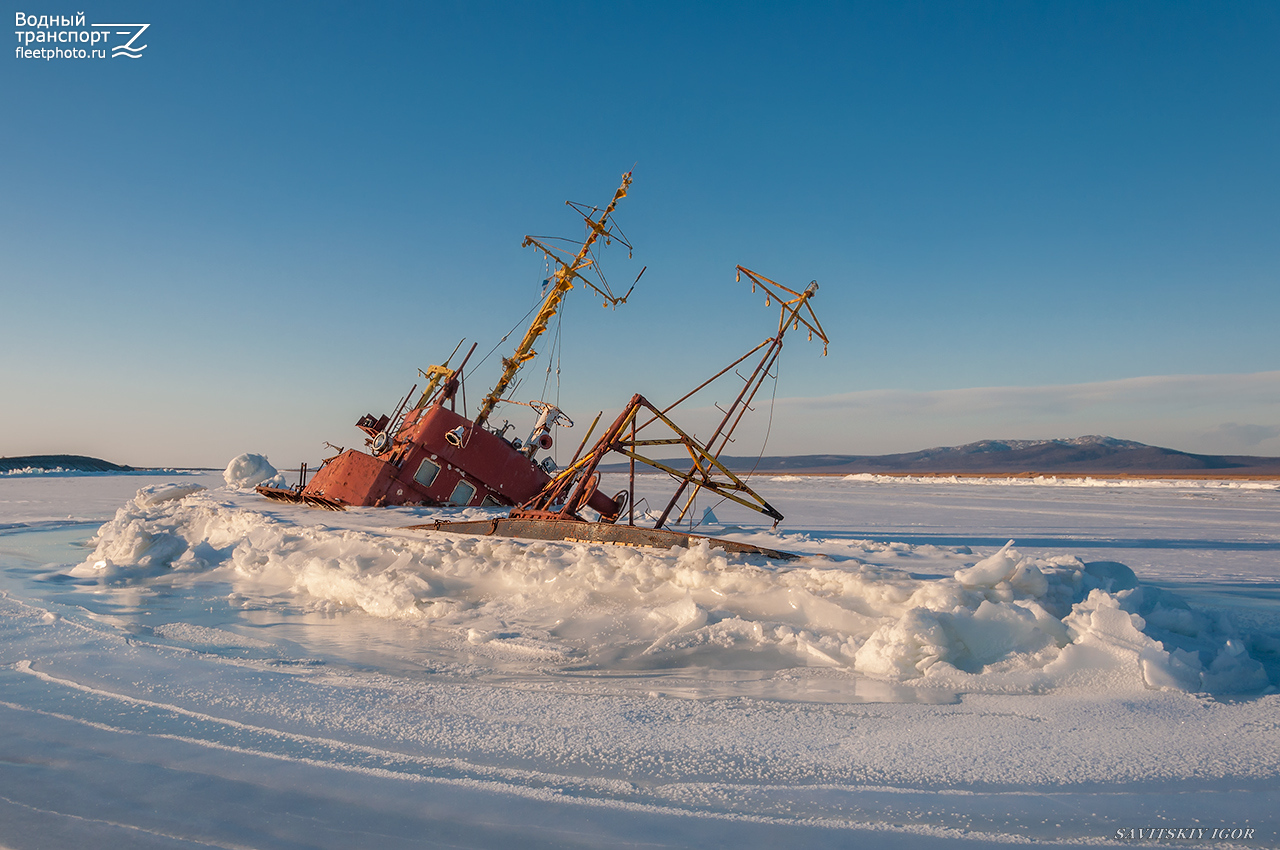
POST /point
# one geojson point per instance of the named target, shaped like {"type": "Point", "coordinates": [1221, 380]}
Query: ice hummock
{"type": "Point", "coordinates": [1005, 623]}
{"type": "Point", "coordinates": [193, 673]}
{"type": "Point", "coordinates": [252, 470]}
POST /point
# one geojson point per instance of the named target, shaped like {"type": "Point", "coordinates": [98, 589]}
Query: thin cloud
{"type": "Point", "coordinates": [1179, 411]}
{"type": "Point", "coordinates": [1242, 438]}
{"type": "Point", "coordinates": [1174, 390]}
{"type": "Point", "coordinates": [1196, 413]}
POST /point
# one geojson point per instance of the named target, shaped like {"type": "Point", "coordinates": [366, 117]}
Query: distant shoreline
{"type": "Point", "coordinates": [1126, 459]}
{"type": "Point", "coordinates": [1091, 456]}
{"type": "Point", "coordinates": [1173, 475]}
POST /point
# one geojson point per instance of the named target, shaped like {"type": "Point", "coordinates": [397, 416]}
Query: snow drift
{"type": "Point", "coordinates": [252, 470]}
{"type": "Point", "coordinates": [1006, 623]}
{"type": "Point", "coordinates": [221, 650]}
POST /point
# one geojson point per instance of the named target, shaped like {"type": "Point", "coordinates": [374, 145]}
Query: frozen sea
{"type": "Point", "coordinates": [184, 664]}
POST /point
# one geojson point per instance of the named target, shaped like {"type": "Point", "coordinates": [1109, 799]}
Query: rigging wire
{"type": "Point", "coordinates": [536, 304]}
{"type": "Point", "coordinates": [595, 265]}
{"type": "Point", "coordinates": [559, 352]}
{"type": "Point", "coordinates": [769, 428]}
{"type": "Point", "coordinates": [553, 358]}
{"type": "Point", "coordinates": [518, 323]}
{"type": "Point", "coordinates": [764, 445]}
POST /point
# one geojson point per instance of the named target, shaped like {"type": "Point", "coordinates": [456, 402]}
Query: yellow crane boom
{"type": "Point", "coordinates": [564, 276]}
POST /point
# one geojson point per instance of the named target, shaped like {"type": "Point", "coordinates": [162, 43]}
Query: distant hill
{"type": "Point", "coordinates": [1080, 455]}
{"type": "Point", "coordinates": [67, 463]}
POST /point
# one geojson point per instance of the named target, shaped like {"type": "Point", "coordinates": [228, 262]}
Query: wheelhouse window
{"type": "Point", "coordinates": [462, 494]}
{"type": "Point", "coordinates": [427, 472]}
{"type": "Point", "coordinates": [490, 502]}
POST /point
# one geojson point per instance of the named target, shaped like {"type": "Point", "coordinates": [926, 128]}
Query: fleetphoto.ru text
{"type": "Point", "coordinates": [51, 37]}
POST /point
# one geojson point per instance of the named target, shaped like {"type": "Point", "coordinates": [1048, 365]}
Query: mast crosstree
{"type": "Point", "coordinates": [564, 275]}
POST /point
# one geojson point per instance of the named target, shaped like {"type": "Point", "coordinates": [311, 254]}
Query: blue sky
{"type": "Point", "coordinates": [261, 228]}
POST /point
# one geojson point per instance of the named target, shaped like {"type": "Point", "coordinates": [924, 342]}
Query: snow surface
{"type": "Point", "coordinates": [206, 668]}
{"type": "Point", "coordinates": [1056, 481]}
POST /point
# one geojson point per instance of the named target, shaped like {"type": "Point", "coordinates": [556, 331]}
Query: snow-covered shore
{"type": "Point", "coordinates": [575, 694]}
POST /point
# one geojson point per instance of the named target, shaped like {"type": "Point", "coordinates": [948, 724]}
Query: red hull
{"type": "Point", "coordinates": [422, 467]}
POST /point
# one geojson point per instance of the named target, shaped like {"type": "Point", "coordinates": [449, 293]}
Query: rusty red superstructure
{"type": "Point", "coordinates": [422, 467]}
{"type": "Point", "coordinates": [436, 457]}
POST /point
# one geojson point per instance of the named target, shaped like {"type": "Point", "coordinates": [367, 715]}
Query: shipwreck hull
{"type": "Point", "coordinates": [279, 494]}
{"type": "Point", "coordinates": [595, 532]}
{"type": "Point", "coordinates": [423, 466]}
{"type": "Point", "coordinates": [431, 456]}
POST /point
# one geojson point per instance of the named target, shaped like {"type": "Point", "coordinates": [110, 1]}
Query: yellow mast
{"type": "Point", "coordinates": [564, 276]}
